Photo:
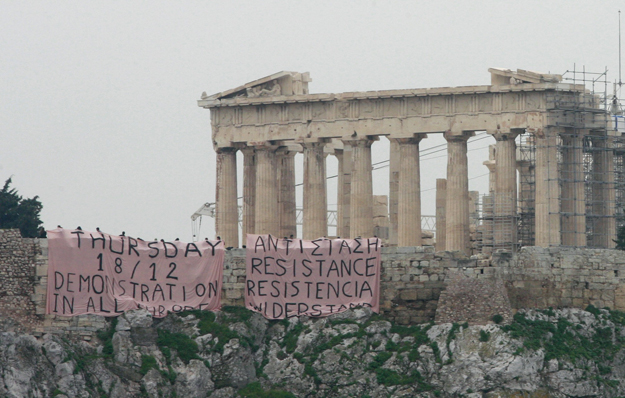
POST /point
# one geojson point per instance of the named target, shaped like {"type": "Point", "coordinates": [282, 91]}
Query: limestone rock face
{"type": "Point", "coordinates": [193, 380]}
{"type": "Point", "coordinates": [138, 318]}
{"type": "Point", "coordinates": [539, 353]}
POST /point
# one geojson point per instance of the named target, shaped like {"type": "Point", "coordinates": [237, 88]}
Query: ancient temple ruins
{"type": "Point", "coordinates": [558, 183]}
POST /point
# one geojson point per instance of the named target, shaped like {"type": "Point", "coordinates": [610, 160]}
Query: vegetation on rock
{"type": "Point", "coordinates": [237, 353]}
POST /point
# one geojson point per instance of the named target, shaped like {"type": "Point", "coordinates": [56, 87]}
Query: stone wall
{"type": "Point", "coordinates": [18, 260]}
{"type": "Point", "coordinates": [414, 277]}
{"type": "Point", "coordinates": [563, 277]}
{"type": "Point", "coordinates": [234, 278]}
{"type": "Point", "coordinates": [411, 282]}
{"type": "Point", "coordinates": [23, 283]}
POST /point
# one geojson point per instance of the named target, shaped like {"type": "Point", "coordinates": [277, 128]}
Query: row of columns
{"type": "Point", "coordinates": [559, 197]}
{"type": "Point", "coordinates": [269, 191]}
{"type": "Point", "coordinates": [560, 189]}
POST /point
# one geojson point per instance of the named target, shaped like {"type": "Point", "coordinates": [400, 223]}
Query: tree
{"type": "Point", "coordinates": [17, 212]}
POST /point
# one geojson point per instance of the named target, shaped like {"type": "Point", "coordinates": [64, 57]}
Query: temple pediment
{"type": "Point", "coordinates": [278, 84]}
{"type": "Point", "coordinates": [504, 77]}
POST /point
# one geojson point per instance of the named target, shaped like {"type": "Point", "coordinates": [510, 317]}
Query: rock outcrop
{"type": "Point", "coordinates": [540, 353]}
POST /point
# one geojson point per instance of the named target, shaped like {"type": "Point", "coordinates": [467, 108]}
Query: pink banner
{"type": "Point", "coordinates": [97, 273]}
{"type": "Point", "coordinates": [292, 277]}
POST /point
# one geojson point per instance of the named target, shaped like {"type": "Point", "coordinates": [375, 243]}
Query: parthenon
{"type": "Point", "coordinates": [563, 194]}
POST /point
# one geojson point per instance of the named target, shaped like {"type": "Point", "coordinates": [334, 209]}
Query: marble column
{"type": "Point", "coordinates": [573, 199]}
{"type": "Point", "coordinates": [340, 185]}
{"type": "Point", "coordinates": [267, 220]}
{"type": "Point", "coordinates": [457, 207]}
{"type": "Point", "coordinates": [490, 164]}
{"type": "Point", "coordinates": [315, 224]}
{"type": "Point", "coordinates": [505, 228]}
{"type": "Point", "coordinates": [361, 204]}
{"type": "Point", "coordinates": [488, 206]}
{"type": "Point", "coordinates": [346, 199]}
{"type": "Point", "coordinates": [226, 208]}
{"type": "Point", "coordinates": [474, 198]}
{"type": "Point", "coordinates": [393, 195]}
{"type": "Point", "coordinates": [441, 219]}
{"type": "Point", "coordinates": [286, 194]}
{"type": "Point", "coordinates": [547, 191]}
{"type": "Point", "coordinates": [526, 201]}
{"type": "Point", "coordinates": [409, 195]}
{"type": "Point", "coordinates": [249, 190]}
{"type": "Point", "coordinates": [488, 210]}
{"type": "Point", "coordinates": [604, 195]}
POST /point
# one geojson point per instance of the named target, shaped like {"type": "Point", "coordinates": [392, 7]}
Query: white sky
{"type": "Point", "coordinates": [98, 112]}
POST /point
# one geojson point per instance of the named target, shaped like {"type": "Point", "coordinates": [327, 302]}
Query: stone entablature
{"type": "Point", "coordinates": [394, 113]}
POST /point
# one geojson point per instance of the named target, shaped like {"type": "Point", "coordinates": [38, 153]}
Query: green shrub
{"type": "Point", "coordinates": [106, 337]}
{"type": "Point", "coordinates": [549, 312]}
{"type": "Point", "coordinates": [484, 336]}
{"type": "Point", "coordinates": [255, 390]}
{"type": "Point", "coordinates": [185, 346]}
{"type": "Point", "coordinates": [418, 333]}
{"type": "Point", "coordinates": [147, 362]}
{"type": "Point", "coordinates": [334, 341]}
{"type": "Point", "coordinates": [379, 360]}
{"type": "Point", "coordinates": [220, 330]}
{"type": "Point", "coordinates": [389, 377]}
{"type": "Point", "coordinates": [309, 370]}
{"type": "Point", "coordinates": [414, 355]}
{"type": "Point", "coordinates": [167, 353]}
{"type": "Point", "coordinates": [291, 337]}
{"type": "Point", "coordinates": [169, 374]}
{"type": "Point", "coordinates": [437, 352]}
{"type": "Point", "coordinates": [593, 310]}
{"type": "Point", "coordinates": [603, 369]}
{"type": "Point", "coordinates": [497, 319]}
{"type": "Point", "coordinates": [562, 340]}
{"type": "Point", "coordinates": [451, 336]}
{"type": "Point", "coordinates": [237, 314]}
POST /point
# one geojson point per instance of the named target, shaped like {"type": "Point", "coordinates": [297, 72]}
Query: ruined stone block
{"type": "Point", "coordinates": [408, 294]}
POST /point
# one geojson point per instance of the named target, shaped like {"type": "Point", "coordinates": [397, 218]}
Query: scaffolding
{"type": "Point", "coordinates": [584, 154]}
{"type": "Point", "coordinates": [526, 165]}
{"type": "Point", "coordinates": [497, 223]}
{"type": "Point", "coordinates": [587, 166]}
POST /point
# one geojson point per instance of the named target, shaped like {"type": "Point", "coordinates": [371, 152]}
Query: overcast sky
{"type": "Point", "coordinates": [98, 111]}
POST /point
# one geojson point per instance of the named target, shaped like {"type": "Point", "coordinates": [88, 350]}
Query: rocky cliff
{"type": "Point", "coordinates": [236, 353]}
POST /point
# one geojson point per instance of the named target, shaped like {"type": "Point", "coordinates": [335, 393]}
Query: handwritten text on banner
{"type": "Point", "coordinates": [291, 277]}
{"type": "Point", "coordinates": [96, 273]}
